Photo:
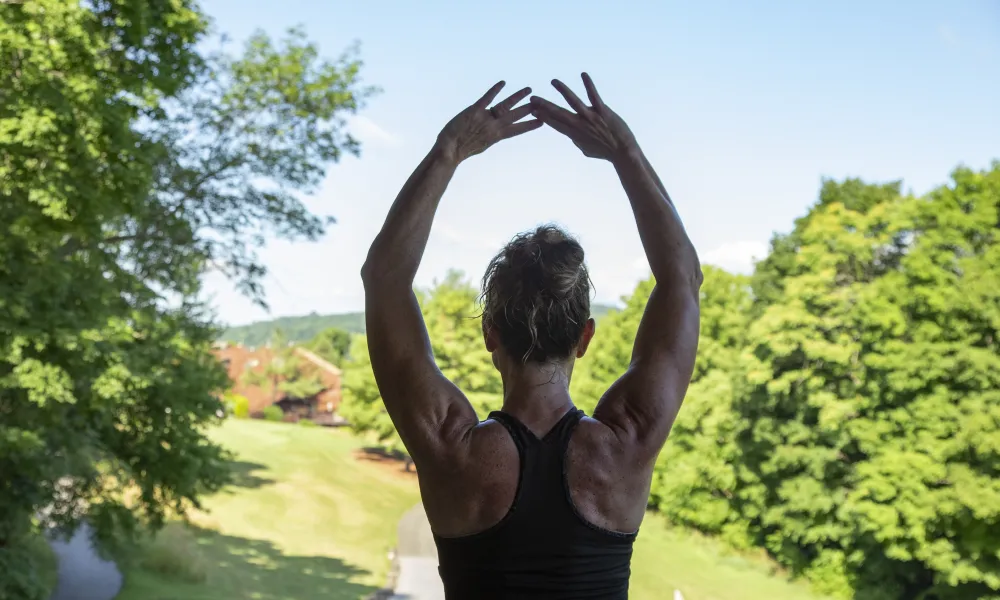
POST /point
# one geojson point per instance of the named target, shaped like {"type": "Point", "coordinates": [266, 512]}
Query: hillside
{"type": "Point", "coordinates": [305, 327]}
{"type": "Point", "coordinates": [296, 329]}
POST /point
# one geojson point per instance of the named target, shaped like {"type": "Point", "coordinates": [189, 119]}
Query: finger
{"type": "Point", "coordinates": [595, 98]}
{"type": "Point", "coordinates": [522, 127]}
{"type": "Point", "coordinates": [513, 99]}
{"type": "Point", "coordinates": [518, 113]}
{"type": "Point", "coordinates": [560, 126]}
{"type": "Point", "coordinates": [489, 96]}
{"type": "Point", "coordinates": [544, 108]}
{"type": "Point", "coordinates": [571, 98]}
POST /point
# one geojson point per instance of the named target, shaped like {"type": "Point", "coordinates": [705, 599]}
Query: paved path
{"type": "Point", "coordinates": [82, 574]}
{"type": "Point", "coordinates": [418, 577]}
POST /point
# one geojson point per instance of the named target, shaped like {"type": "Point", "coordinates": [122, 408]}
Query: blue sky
{"type": "Point", "coordinates": [742, 107]}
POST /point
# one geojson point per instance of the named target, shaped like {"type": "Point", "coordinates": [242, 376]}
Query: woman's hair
{"type": "Point", "coordinates": [536, 295]}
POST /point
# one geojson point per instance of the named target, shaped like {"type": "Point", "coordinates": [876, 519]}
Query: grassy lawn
{"type": "Point", "coordinates": [666, 559]}
{"type": "Point", "coordinates": [307, 519]}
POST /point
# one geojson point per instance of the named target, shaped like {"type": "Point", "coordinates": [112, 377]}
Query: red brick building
{"type": "Point", "coordinates": [321, 407]}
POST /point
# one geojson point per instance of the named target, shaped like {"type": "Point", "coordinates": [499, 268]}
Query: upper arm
{"type": "Point", "coordinates": [427, 409]}
{"type": "Point", "coordinates": [642, 405]}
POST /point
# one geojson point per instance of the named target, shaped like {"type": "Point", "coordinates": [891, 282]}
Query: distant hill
{"type": "Point", "coordinates": [599, 311]}
{"type": "Point", "coordinates": [305, 327]}
{"type": "Point", "coordinates": [296, 329]}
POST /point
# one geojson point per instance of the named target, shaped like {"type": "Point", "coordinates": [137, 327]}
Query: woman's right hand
{"type": "Point", "coordinates": [478, 127]}
{"type": "Point", "coordinates": [596, 130]}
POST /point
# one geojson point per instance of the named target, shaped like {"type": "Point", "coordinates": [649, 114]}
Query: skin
{"type": "Point", "coordinates": [468, 471]}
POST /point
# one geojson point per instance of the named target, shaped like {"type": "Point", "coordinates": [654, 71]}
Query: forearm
{"type": "Point", "coordinates": [668, 249]}
{"type": "Point", "coordinates": [396, 252]}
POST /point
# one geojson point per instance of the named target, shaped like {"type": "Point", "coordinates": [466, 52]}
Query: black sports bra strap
{"type": "Point", "coordinates": [518, 432]}
{"type": "Point", "coordinates": [563, 430]}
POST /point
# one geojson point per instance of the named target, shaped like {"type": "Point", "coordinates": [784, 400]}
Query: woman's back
{"type": "Point", "coordinates": [542, 547]}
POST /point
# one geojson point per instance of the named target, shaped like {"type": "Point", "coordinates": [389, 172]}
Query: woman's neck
{"type": "Point", "coordinates": [537, 394]}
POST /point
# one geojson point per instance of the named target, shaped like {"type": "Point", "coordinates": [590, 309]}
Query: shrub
{"type": "Point", "coordinates": [307, 423]}
{"type": "Point", "coordinates": [273, 413]}
{"type": "Point", "coordinates": [174, 554]}
{"type": "Point", "coordinates": [237, 405]}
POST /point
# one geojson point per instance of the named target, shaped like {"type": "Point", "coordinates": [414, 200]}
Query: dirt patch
{"type": "Point", "coordinates": [393, 462]}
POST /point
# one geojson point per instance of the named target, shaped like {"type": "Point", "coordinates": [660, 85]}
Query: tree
{"type": "Point", "coordinates": [235, 151]}
{"type": "Point", "coordinates": [454, 325]}
{"type": "Point", "coordinates": [332, 344]}
{"type": "Point", "coordinates": [129, 164]}
{"type": "Point", "coordinates": [872, 394]}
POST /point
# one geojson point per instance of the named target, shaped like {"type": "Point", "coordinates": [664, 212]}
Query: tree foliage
{"type": "Point", "coordinates": [130, 163]}
{"type": "Point", "coordinates": [332, 345]}
{"type": "Point", "coordinates": [872, 413]}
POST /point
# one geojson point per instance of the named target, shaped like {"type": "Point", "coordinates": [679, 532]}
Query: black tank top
{"type": "Point", "coordinates": [542, 548]}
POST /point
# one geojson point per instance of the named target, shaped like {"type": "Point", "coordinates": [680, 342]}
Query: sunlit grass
{"type": "Point", "coordinates": [305, 520]}
{"type": "Point", "coordinates": [701, 568]}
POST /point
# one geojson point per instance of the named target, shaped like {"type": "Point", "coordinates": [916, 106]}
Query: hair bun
{"type": "Point", "coordinates": [537, 287]}
{"type": "Point", "coordinates": [560, 264]}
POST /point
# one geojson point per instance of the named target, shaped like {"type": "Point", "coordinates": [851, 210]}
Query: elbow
{"type": "Point", "coordinates": [375, 266]}
{"type": "Point", "coordinates": [371, 268]}
{"type": "Point", "coordinates": [381, 271]}
{"type": "Point", "coordinates": [366, 271]}
{"type": "Point", "coordinates": [370, 272]}
{"type": "Point", "coordinates": [685, 272]}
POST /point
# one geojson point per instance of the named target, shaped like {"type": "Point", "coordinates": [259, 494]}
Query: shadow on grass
{"type": "Point", "coordinates": [237, 568]}
{"type": "Point", "coordinates": [244, 475]}
{"type": "Point", "coordinates": [388, 457]}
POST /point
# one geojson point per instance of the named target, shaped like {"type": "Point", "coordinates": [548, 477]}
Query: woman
{"type": "Point", "coordinates": [539, 500]}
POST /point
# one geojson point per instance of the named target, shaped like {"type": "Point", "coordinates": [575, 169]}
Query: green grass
{"type": "Point", "coordinates": [666, 559]}
{"type": "Point", "coordinates": [306, 519]}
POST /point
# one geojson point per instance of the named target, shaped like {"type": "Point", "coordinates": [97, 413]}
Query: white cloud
{"type": "Point", "coordinates": [736, 257]}
{"type": "Point", "coordinates": [370, 132]}
{"type": "Point", "coordinates": [640, 265]}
